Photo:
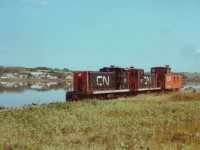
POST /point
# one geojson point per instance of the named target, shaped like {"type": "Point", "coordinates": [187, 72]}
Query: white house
{"type": "Point", "coordinates": [69, 77]}
{"type": "Point", "coordinates": [52, 76]}
{"type": "Point", "coordinates": [2, 75]}
{"type": "Point", "coordinates": [6, 75]}
{"type": "Point", "coordinates": [36, 74]}
{"type": "Point", "coordinates": [24, 75]}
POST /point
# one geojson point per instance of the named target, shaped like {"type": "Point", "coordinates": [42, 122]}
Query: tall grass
{"type": "Point", "coordinates": [153, 121]}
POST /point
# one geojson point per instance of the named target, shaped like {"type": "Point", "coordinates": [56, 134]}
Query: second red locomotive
{"type": "Point", "coordinates": [113, 82]}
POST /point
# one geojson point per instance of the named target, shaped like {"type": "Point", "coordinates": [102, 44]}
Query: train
{"type": "Point", "coordinates": [113, 82]}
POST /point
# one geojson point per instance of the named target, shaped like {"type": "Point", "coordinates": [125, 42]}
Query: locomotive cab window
{"type": "Point", "coordinates": [164, 71]}
{"type": "Point", "coordinates": [132, 74]}
{"type": "Point", "coordinates": [153, 70]}
{"type": "Point", "coordinates": [169, 70]}
{"type": "Point", "coordinates": [136, 74]}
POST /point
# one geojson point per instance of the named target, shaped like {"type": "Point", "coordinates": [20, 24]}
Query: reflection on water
{"type": "Point", "coordinates": [16, 94]}
{"type": "Point", "coordinates": [28, 97]}
{"type": "Point", "coordinates": [40, 86]}
{"type": "Point", "coordinates": [193, 84]}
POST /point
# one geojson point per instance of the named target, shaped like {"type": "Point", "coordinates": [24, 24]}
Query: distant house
{"type": "Point", "coordinates": [24, 75]}
{"type": "Point", "coordinates": [43, 76]}
{"type": "Point", "coordinates": [36, 74]}
{"type": "Point", "coordinates": [9, 75]}
{"type": "Point", "coordinates": [52, 76]}
{"type": "Point", "coordinates": [2, 75]}
{"type": "Point", "coordinates": [69, 77]}
{"type": "Point", "coordinates": [6, 75]}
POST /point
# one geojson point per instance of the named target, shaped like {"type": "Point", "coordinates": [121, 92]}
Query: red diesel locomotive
{"type": "Point", "coordinates": [113, 82]}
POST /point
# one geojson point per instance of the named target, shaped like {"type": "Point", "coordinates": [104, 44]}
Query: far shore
{"type": "Point", "coordinates": [32, 80]}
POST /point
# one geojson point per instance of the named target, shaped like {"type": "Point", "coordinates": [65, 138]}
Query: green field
{"type": "Point", "coordinates": [148, 122]}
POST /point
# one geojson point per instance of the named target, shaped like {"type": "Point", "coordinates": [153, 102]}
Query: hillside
{"type": "Point", "coordinates": [192, 76]}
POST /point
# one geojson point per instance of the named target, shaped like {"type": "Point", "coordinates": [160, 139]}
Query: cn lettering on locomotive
{"type": "Point", "coordinates": [169, 79]}
{"type": "Point", "coordinates": [102, 80]}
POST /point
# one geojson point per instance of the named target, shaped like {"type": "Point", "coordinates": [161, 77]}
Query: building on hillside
{"type": "Point", "coordinates": [6, 75]}
{"type": "Point", "coordinates": [24, 75]}
{"type": "Point", "coordinates": [36, 74]}
{"type": "Point", "coordinates": [69, 77]}
{"type": "Point", "coordinates": [2, 75]}
{"type": "Point", "coordinates": [51, 76]}
{"type": "Point", "coordinates": [43, 76]}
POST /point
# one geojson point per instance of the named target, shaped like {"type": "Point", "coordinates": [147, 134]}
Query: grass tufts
{"type": "Point", "coordinates": [191, 95]}
{"type": "Point", "coordinates": [148, 121]}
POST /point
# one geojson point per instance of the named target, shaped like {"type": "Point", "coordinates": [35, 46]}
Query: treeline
{"type": "Point", "coordinates": [23, 69]}
{"type": "Point", "coordinates": [11, 69]}
{"type": "Point", "coordinates": [46, 68]}
{"type": "Point", "coordinates": [38, 68]}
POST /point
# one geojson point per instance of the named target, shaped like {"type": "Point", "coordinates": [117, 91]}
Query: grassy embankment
{"type": "Point", "coordinates": [153, 121]}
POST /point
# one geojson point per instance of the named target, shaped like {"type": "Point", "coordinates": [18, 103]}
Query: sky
{"type": "Point", "coordinates": [91, 34]}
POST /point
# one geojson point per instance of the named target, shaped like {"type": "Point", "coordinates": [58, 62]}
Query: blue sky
{"type": "Point", "coordinates": [82, 34]}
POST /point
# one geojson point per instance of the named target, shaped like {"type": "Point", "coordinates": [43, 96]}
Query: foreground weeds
{"type": "Point", "coordinates": [155, 121]}
{"type": "Point", "coordinates": [189, 95]}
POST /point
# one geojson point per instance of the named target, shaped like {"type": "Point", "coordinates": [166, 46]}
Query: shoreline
{"type": "Point", "coordinates": [33, 80]}
{"type": "Point", "coordinates": [4, 109]}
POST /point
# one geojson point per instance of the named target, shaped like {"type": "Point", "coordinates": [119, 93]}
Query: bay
{"type": "Point", "coordinates": [28, 97]}
{"type": "Point", "coordinates": [19, 94]}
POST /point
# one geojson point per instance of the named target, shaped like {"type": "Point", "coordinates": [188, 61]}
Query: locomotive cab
{"type": "Point", "coordinates": [121, 76]}
{"type": "Point", "coordinates": [161, 70]}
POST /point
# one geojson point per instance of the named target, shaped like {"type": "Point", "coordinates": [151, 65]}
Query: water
{"type": "Point", "coordinates": [17, 94]}
{"type": "Point", "coordinates": [16, 99]}
{"type": "Point", "coordinates": [195, 85]}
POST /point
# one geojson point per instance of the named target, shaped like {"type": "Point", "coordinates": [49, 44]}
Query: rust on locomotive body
{"type": "Point", "coordinates": [81, 81]}
{"type": "Point", "coordinates": [173, 81]}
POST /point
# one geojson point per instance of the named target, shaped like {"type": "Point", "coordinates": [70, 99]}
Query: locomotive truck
{"type": "Point", "coordinates": [114, 82]}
